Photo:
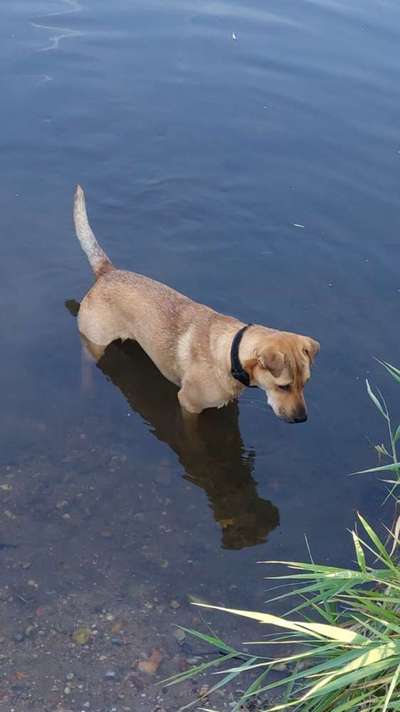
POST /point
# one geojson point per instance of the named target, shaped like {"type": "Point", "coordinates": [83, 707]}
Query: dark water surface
{"type": "Point", "coordinates": [259, 175]}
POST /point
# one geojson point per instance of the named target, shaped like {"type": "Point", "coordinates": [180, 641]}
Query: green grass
{"type": "Point", "coordinates": [339, 641]}
{"type": "Point", "coordinates": [389, 452]}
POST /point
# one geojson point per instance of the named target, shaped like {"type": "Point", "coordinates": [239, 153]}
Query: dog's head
{"type": "Point", "coordinates": [281, 367]}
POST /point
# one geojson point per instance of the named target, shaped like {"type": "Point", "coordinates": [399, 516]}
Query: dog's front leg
{"type": "Point", "coordinates": [189, 400]}
{"type": "Point", "coordinates": [190, 428]}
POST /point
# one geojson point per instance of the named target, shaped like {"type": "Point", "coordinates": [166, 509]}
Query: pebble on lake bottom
{"type": "Point", "coordinates": [179, 636]}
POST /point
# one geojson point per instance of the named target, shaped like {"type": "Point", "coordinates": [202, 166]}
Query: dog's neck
{"type": "Point", "coordinates": [252, 337]}
{"type": "Point", "coordinates": [246, 352]}
{"type": "Point", "coordinates": [238, 372]}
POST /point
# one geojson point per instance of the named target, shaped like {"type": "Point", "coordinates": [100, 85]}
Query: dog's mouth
{"type": "Point", "coordinates": [300, 416]}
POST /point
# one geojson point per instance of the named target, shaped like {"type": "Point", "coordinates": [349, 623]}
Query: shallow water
{"type": "Point", "coordinates": [258, 175]}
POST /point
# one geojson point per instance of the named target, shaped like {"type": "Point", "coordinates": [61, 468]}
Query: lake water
{"type": "Point", "coordinates": [247, 154]}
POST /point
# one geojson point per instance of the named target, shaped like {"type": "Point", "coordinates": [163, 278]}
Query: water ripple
{"type": "Point", "coordinates": [61, 32]}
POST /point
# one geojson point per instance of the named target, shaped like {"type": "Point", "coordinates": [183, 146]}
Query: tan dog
{"type": "Point", "coordinates": [210, 356]}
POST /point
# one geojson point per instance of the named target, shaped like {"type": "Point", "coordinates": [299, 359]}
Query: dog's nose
{"type": "Point", "coordinates": [296, 418]}
{"type": "Point", "coordinates": [300, 418]}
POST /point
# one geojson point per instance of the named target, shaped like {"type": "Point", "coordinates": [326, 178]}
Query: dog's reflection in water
{"type": "Point", "coordinates": [213, 455]}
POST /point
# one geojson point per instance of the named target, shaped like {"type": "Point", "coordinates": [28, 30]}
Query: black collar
{"type": "Point", "coordinates": [237, 370]}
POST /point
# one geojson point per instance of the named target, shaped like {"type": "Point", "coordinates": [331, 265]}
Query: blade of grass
{"type": "Point", "coordinates": [192, 672]}
{"type": "Point", "coordinates": [225, 681]}
{"type": "Point", "coordinates": [394, 372]}
{"type": "Point", "coordinates": [375, 399]}
{"type": "Point", "coordinates": [391, 689]}
{"type": "Point", "coordinates": [359, 552]}
{"type": "Point", "coordinates": [211, 640]}
{"type": "Point", "coordinates": [319, 630]}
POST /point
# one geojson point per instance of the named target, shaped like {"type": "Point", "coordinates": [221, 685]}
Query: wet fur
{"type": "Point", "coordinates": [189, 342]}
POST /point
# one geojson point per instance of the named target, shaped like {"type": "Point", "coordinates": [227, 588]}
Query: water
{"type": "Point", "coordinates": [258, 175]}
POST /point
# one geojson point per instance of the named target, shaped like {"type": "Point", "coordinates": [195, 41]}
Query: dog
{"type": "Point", "coordinates": [210, 356]}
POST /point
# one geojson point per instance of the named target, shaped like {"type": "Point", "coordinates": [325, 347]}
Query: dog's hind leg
{"type": "Point", "coordinates": [93, 351]}
{"type": "Point", "coordinates": [90, 355]}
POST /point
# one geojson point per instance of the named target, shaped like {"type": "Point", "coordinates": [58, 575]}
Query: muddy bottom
{"type": "Point", "coordinates": [88, 606]}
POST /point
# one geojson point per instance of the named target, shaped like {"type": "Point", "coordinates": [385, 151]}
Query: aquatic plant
{"type": "Point", "coordinates": [390, 452]}
{"type": "Point", "coordinates": [340, 645]}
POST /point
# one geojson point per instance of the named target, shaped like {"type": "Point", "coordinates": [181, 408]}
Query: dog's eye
{"type": "Point", "coordinates": [284, 388]}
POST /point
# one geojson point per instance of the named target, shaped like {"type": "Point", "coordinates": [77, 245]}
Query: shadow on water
{"type": "Point", "coordinates": [213, 457]}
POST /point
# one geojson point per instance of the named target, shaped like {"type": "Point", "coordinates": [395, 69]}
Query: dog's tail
{"type": "Point", "coordinates": [98, 259]}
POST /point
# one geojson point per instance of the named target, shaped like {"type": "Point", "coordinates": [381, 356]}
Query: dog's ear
{"type": "Point", "coordinates": [311, 348]}
{"type": "Point", "coordinates": [272, 360]}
